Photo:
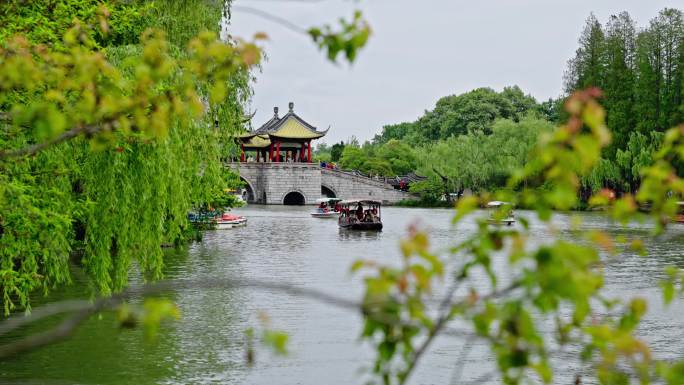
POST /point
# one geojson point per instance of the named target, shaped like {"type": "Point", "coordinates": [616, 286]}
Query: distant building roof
{"type": "Point", "coordinates": [290, 126]}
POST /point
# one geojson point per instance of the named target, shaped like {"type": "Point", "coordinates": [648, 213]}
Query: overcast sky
{"type": "Point", "coordinates": [420, 50]}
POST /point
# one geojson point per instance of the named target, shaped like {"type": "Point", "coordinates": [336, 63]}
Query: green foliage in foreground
{"type": "Point", "coordinates": [140, 118]}
{"type": "Point", "coordinates": [529, 286]}
{"type": "Point", "coordinates": [146, 147]}
{"type": "Point", "coordinates": [115, 117]}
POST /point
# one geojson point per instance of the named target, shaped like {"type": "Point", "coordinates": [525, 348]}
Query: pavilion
{"type": "Point", "coordinates": [286, 139]}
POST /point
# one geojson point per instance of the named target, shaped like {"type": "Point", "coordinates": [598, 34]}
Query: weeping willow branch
{"type": "Point", "coordinates": [66, 135]}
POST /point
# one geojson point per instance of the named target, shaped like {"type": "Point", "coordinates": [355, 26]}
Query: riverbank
{"type": "Point", "coordinates": [429, 204]}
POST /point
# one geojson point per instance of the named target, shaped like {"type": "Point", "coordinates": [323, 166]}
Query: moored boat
{"type": "Point", "coordinates": [228, 221]}
{"type": "Point", "coordinates": [495, 215]}
{"type": "Point", "coordinates": [360, 214]}
{"type": "Point", "coordinates": [216, 220]}
{"type": "Point", "coordinates": [327, 208]}
{"type": "Point", "coordinates": [679, 217]}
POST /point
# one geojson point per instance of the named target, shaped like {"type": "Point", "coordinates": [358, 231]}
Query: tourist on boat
{"type": "Point", "coordinates": [359, 212]}
{"type": "Point", "coordinates": [367, 217]}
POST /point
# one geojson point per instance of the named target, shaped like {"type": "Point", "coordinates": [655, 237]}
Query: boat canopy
{"type": "Point", "coordinates": [498, 204]}
{"type": "Point", "coordinates": [328, 200]}
{"type": "Point", "coordinates": [362, 201]}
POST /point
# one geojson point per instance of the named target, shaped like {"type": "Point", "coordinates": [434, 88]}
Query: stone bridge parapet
{"type": "Point", "coordinates": [303, 183]}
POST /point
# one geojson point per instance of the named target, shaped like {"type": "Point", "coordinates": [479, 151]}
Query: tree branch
{"type": "Point", "coordinates": [61, 332]}
{"type": "Point", "coordinates": [460, 363]}
{"type": "Point", "coordinates": [84, 309]}
{"type": "Point", "coordinates": [270, 17]}
{"type": "Point", "coordinates": [66, 135]}
{"type": "Point", "coordinates": [483, 378]}
{"type": "Point", "coordinates": [442, 320]}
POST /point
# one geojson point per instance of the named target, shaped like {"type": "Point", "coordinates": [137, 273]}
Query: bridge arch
{"type": "Point", "coordinates": [328, 192]}
{"type": "Point", "coordinates": [249, 191]}
{"type": "Point", "coordinates": [294, 198]}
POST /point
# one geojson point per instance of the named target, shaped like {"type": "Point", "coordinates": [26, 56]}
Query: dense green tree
{"type": "Point", "coordinates": [389, 159]}
{"type": "Point", "coordinates": [551, 110]}
{"type": "Point", "coordinates": [149, 120]}
{"type": "Point", "coordinates": [336, 151]}
{"type": "Point", "coordinates": [477, 161]}
{"type": "Point", "coordinates": [399, 155]}
{"type": "Point", "coordinates": [454, 115]}
{"type": "Point", "coordinates": [46, 21]}
{"type": "Point", "coordinates": [394, 131]}
{"type": "Point", "coordinates": [352, 158]}
{"type": "Point", "coordinates": [636, 156]}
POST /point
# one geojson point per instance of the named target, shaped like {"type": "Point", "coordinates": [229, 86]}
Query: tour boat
{"type": "Point", "coordinates": [228, 221]}
{"type": "Point", "coordinates": [495, 206]}
{"type": "Point", "coordinates": [326, 208]}
{"type": "Point", "coordinates": [679, 217]}
{"type": "Point", "coordinates": [360, 214]}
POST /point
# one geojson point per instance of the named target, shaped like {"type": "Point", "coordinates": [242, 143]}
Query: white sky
{"type": "Point", "coordinates": [419, 51]}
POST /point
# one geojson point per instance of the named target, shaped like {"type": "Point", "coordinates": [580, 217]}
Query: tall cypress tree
{"type": "Point", "coordinates": [586, 69]}
{"type": "Point", "coordinates": [619, 78]}
{"type": "Point", "coordinates": [660, 71]}
{"type": "Point", "coordinates": [671, 26]}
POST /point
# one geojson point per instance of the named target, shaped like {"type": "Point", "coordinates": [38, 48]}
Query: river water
{"type": "Point", "coordinates": [207, 345]}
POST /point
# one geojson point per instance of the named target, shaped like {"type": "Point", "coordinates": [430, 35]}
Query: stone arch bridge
{"type": "Point", "coordinates": [302, 183]}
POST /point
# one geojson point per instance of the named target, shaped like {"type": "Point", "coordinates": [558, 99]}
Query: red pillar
{"type": "Point", "coordinates": [242, 154]}
{"type": "Point", "coordinates": [278, 152]}
{"type": "Point", "coordinates": [301, 153]}
{"type": "Point", "coordinates": [309, 151]}
{"type": "Point", "coordinates": [258, 157]}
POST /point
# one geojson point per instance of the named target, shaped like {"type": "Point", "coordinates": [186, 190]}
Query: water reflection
{"type": "Point", "coordinates": [286, 244]}
{"type": "Point", "coordinates": [354, 235]}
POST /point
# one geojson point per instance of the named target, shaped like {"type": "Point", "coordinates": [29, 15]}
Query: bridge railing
{"type": "Point", "coordinates": [358, 175]}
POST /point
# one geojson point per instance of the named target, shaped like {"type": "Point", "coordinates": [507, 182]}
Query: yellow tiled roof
{"type": "Point", "coordinates": [258, 141]}
{"type": "Point", "coordinates": [294, 129]}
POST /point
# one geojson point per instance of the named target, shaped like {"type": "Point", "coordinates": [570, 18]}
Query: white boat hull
{"type": "Point", "coordinates": [330, 214]}
{"type": "Point", "coordinates": [224, 225]}
{"type": "Point", "coordinates": [502, 222]}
